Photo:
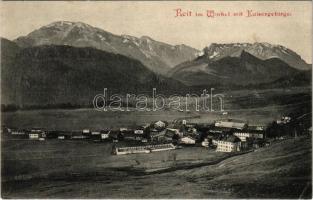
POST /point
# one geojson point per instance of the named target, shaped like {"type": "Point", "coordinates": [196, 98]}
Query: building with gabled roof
{"type": "Point", "coordinates": [159, 124]}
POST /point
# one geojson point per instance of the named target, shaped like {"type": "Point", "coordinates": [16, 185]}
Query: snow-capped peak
{"type": "Point", "coordinates": [65, 24]}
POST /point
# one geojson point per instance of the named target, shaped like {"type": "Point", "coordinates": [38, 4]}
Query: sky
{"type": "Point", "coordinates": [158, 20]}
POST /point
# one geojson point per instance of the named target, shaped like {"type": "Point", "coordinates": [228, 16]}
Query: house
{"type": "Point", "coordinates": [229, 144]}
{"type": "Point", "coordinates": [187, 140]}
{"type": "Point", "coordinates": [244, 134]}
{"type": "Point", "coordinates": [61, 137]}
{"type": "Point", "coordinates": [129, 135]}
{"type": "Point", "coordinates": [36, 133]}
{"type": "Point", "coordinates": [86, 131]}
{"type": "Point", "coordinates": [139, 129]}
{"type": "Point", "coordinates": [231, 124]}
{"type": "Point", "coordinates": [105, 134]}
{"type": "Point", "coordinates": [157, 135]}
{"type": "Point", "coordinates": [205, 142]}
{"type": "Point", "coordinates": [95, 133]}
{"type": "Point", "coordinates": [192, 131]}
{"type": "Point", "coordinates": [18, 132]}
{"type": "Point", "coordinates": [215, 142]}
{"type": "Point", "coordinates": [159, 125]}
{"type": "Point", "coordinates": [170, 135]}
{"type": "Point", "coordinates": [115, 135]}
{"type": "Point", "coordinates": [190, 125]}
{"type": "Point", "coordinates": [138, 132]}
{"type": "Point", "coordinates": [212, 140]}
{"type": "Point", "coordinates": [174, 131]}
{"type": "Point", "coordinates": [284, 120]}
{"type": "Point", "coordinates": [34, 136]}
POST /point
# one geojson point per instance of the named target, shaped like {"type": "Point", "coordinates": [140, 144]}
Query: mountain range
{"type": "Point", "coordinates": [70, 62]}
{"type": "Point", "coordinates": [262, 51]}
{"type": "Point", "coordinates": [242, 69]}
{"type": "Point", "coordinates": [157, 56]}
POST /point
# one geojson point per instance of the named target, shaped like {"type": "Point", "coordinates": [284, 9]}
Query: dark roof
{"type": "Point", "coordinates": [169, 133]}
{"type": "Point", "coordinates": [104, 131]}
{"type": "Point", "coordinates": [129, 134]}
{"type": "Point", "coordinates": [231, 138]}
{"type": "Point", "coordinates": [220, 129]}
{"type": "Point", "coordinates": [249, 131]}
{"type": "Point", "coordinates": [76, 133]}
{"type": "Point", "coordinates": [114, 133]}
{"type": "Point", "coordinates": [64, 133]}
{"type": "Point", "coordinates": [232, 120]}
{"type": "Point", "coordinates": [157, 134]}
{"type": "Point", "coordinates": [171, 126]}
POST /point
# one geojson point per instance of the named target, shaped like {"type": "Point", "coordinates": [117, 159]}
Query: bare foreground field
{"type": "Point", "coordinates": [69, 169]}
{"type": "Point", "coordinates": [83, 169]}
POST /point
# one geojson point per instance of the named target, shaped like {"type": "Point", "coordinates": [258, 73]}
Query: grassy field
{"type": "Point", "coordinates": [69, 169]}
{"type": "Point", "coordinates": [256, 107]}
{"type": "Point", "coordinates": [88, 118]}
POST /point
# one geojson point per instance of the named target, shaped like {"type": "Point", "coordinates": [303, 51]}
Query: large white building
{"type": "Point", "coordinates": [229, 144]}
{"type": "Point", "coordinates": [143, 149]}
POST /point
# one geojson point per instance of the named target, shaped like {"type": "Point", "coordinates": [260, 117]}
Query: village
{"type": "Point", "coordinates": [227, 135]}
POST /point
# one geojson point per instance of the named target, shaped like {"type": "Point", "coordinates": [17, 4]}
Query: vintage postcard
{"type": "Point", "coordinates": [156, 100]}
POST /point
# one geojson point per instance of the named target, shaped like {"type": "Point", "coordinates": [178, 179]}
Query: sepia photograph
{"type": "Point", "coordinates": [156, 99]}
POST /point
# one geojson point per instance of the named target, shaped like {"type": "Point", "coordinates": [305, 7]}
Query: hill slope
{"type": "Point", "coordinates": [282, 170]}
{"type": "Point", "coordinates": [62, 74]}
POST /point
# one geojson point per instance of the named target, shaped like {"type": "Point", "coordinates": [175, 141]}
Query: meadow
{"type": "Point", "coordinates": [257, 107]}
{"type": "Point", "coordinates": [78, 169]}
